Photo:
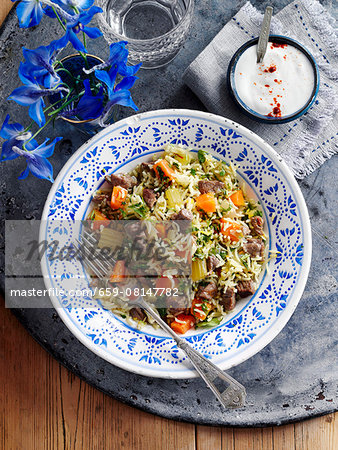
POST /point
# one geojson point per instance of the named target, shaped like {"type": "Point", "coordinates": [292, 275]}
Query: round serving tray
{"type": "Point", "coordinates": [293, 378]}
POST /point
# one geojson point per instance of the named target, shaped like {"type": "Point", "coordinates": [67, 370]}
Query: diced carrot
{"type": "Point", "coordinates": [119, 272]}
{"type": "Point", "coordinates": [99, 219]}
{"type": "Point", "coordinates": [161, 229]}
{"type": "Point", "coordinates": [237, 198]}
{"type": "Point", "coordinates": [118, 197]}
{"type": "Point", "coordinates": [186, 321]}
{"type": "Point", "coordinates": [206, 202]}
{"type": "Point", "coordinates": [164, 283]}
{"type": "Point", "coordinates": [162, 168]}
{"type": "Point", "coordinates": [231, 229]}
{"type": "Point", "coordinates": [200, 309]}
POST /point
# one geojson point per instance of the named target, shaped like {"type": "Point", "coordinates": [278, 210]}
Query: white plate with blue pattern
{"type": "Point", "coordinates": [256, 320]}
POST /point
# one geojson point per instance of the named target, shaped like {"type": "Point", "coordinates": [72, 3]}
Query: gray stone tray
{"type": "Point", "coordinates": [293, 378]}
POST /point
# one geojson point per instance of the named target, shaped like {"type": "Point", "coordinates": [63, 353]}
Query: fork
{"type": "Point", "coordinates": [229, 392]}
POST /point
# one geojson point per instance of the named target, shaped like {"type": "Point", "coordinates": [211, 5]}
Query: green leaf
{"type": "Point", "coordinates": [212, 323]}
{"type": "Point", "coordinates": [193, 171]}
{"type": "Point", "coordinates": [201, 156]}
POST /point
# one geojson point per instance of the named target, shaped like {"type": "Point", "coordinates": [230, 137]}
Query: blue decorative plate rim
{"type": "Point", "coordinates": [149, 364]}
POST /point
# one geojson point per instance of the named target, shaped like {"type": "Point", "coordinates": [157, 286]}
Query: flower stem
{"type": "Point", "coordinates": [58, 18]}
{"type": "Point", "coordinates": [38, 132]}
{"type": "Point", "coordinates": [53, 113]}
{"type": "Point", "coordinates": [29, 126]}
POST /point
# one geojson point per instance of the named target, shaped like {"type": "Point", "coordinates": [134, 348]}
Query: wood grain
{"type": "Point", "coordinates": [44, 406]}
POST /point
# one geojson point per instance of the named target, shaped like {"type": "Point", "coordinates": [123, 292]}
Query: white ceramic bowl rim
{"type": "Point", "coordinates": [272, 331]}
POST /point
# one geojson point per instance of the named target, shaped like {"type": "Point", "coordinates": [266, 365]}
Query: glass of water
{"type": "Point", "coordinates": [155, 29]}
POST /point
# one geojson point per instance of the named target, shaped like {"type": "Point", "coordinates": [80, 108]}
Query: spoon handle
{"type": "Point", "coordinates": [264, 34]}
{"type": "Point", "coordinates": [230, 393]}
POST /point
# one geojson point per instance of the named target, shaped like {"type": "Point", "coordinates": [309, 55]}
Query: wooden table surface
{"type": "Point", "coordinates": [44, 406]}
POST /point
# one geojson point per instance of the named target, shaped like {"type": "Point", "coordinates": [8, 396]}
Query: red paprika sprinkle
{"type": "Point", "coordinates": [274, 44]}
{"type": "Point", "coordinates": [271, 69]}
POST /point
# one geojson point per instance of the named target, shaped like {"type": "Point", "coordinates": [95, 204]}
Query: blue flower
{"type": "Point", "coordinates": [37, 161]}
{"type": "Point", "coordinates": [89, 107]}
{"type": "Point", "coordinates": [39, 64]}
{"type": "Point", "coordinates": [29, 13]}
{"type": "Point", "coordinates": [118, 94]}
{"type": "Point", "coordinates": [31, 94]}
{"type": "Point", "coordinates": [118, 57]}
{"type": "Point", "coordinates": [36, 155]}
{"type": "Point", "coordinates": [14, 133]}
{"type": "Point", "coordinates": [80, 5]}
{"type": "Point", "coordinates": [76, 23]}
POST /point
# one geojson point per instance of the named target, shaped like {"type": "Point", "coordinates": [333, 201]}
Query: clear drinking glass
{"type": "Point", "coordinates": [155, 29]}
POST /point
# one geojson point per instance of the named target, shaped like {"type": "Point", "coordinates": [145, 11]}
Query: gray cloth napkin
{"type": "Point", "coordinates": [309, 141]}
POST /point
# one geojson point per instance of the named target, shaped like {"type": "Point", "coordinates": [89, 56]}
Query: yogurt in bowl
{"type": "Point", "coordinates": [281, 88]}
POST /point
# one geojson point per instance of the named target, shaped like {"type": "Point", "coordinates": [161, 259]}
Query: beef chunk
{"type": "Point", "coordinates": [177, 311]}
{"type": "Point", "coordinates": [137, 313]}
{"type": "Point", "coordinates": [146, 167]}
{"type": "Point", "coordinates": [257, 223]}
{"type": "Point", "coordinates": [184, 214]}
{"type": "Point", "coordinates": [98, 198]}
{"type": "Point", "coordinates": [207, 292]}
{"type": "Point", "coordinates": [149, 197]}
{"type": "Point", "coordinates": [228, 299]}
{"type": "Point", "coordinates": [245, 288]}
{"type": "Point", "coordinates": [212, 263]}
{"type": "Point", "coordinates": [210, 186]}
{"type": "Point", "coordinates": [255, 247]}
{"type": "Point", "coordinates": [125, 181]}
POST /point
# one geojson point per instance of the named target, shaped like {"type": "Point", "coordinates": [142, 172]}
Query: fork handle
{"type": "Point", "coordinates": [233, 396]}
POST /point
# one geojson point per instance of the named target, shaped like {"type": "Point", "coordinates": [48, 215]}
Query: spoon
{"type": "Point", "coordinates": [264, 34]}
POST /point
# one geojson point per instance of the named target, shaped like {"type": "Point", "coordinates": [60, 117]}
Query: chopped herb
{"type": "Point", "coordinates": [176, 165]}
{"type": "Point", "coordinates": [212, 323]}
{"type": "Point", "coordinates": [140, 209]}
{"type": "Point", "coordinates": [160, 173]}
{"type": "Point", "coordinates": [258, 213]}
{"type": "Point", "coordinates": [193, 171]}
{"type": "Point", "coordinates": [223, 210]}
{"type": "Point", "coordinates": [245, 264]}
{"type": "Point", "coordinates": [122, 212]}
{"type": "Point", "coordinates": [201, 156]}
{"type": "Point", "coordinates": [162, 312]}
{"type": "Point", "coordinates": [222, 173]}
{"type": "Point", "coordinates": [223, 255]}
{"type": "Point", "coordinates": [204, 308]}
{"type": "Point", "coordinates": [123, 316]}
{"type": "Point", "coordinates": [92, 215]}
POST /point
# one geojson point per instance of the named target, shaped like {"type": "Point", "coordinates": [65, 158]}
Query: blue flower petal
{"type": "Point", "coordinates": [36, 112]}
{"type": "Point", "coordinates": [92, 32]}
{"type": "Point", "coordinates": [9, 130]}
{"type": "Point", "coordinates": [23, 95]}
{"type": "Point", "coordinates": [118, 53]}
{"type": "Point", "coordinates": [126, 83]}
{"type": "Point", "coordinates": [40, 167]}
{"type": "Point", "coordinates": [127, 71]}
{"type": "Point", "coordinates": [123, 98]}
{"type": "Point", "coordinates": [7, 153]}
{"type": "Point", "coordinates": [29, 13]}
{"type": "Point", "coordinates": [107, 78]}
{"type": "Point", "coordinates": [75, 41]}
{"type": "Point", "coordinates": [45, 151]}
{"type": "Point", "coordinates": [84, 4]}
{"type": "Point", "coordinates": [86, 16]}
{"type": "Point", "coordinates": [24, 174]}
